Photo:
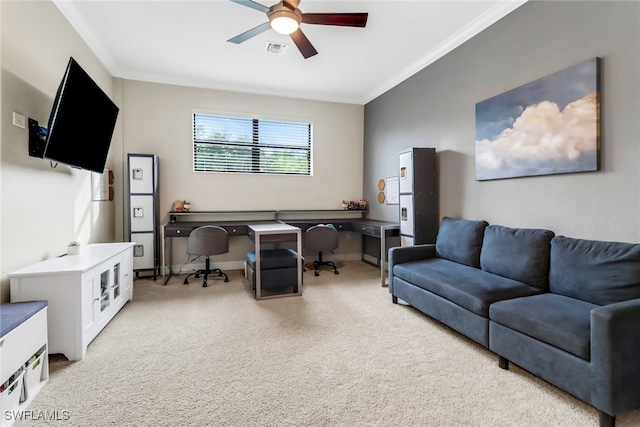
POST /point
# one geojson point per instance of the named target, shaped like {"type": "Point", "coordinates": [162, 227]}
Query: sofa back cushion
{"type": "Point", "coordinates": [520, 254]}
{"type": "Point", "coordinates": [460, 240]}
{"type": "Point", "coordinates": [595, 271]}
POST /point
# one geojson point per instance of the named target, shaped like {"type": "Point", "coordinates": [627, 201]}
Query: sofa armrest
{"type": "Point", "coordinates": [402, 254]}
{"type": "Point", "coordinates": [615, 345]}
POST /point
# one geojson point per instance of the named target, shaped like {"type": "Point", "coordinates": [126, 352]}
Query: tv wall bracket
{"type": "Point", "coordinates": [37, 139]}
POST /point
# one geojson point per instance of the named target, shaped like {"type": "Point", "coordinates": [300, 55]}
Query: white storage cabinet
{"type": "Point", "coordinates": [84, 292]}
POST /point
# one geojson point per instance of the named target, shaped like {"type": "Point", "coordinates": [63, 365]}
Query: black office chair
{"type": "Point", "coordinates": [321, 238]}
{"type": "Point", "coordinates": [205, 241]}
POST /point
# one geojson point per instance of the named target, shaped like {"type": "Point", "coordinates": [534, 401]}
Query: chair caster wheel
{"type": "Point", "coordinates": [316, 274]}
{"type": "Point", "coordinates": [226, 279]}
{"type": "Point", "coordinates": [336, 272]}
{"type": "Point", "coordinates": [185, 282]}
{"type": "Point", "coordinates": [204, 285]}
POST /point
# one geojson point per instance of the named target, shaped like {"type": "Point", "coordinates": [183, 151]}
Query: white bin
{"type": "Point", "coordinates": [11, 396]}
{"type": "Point", "coordinates": [33, 374]}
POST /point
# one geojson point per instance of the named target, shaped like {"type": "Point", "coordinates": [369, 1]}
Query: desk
{"type": "Point", "coordinates": [369, 228]}
{"type": "Point", "coordinates": [273, 233]}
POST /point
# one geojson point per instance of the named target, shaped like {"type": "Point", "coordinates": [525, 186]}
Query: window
{"type": "Point", "coordinates": [237, 144]}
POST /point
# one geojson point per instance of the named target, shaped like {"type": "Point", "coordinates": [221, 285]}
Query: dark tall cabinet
{"type": "Point", "coordinates": [418, 181]}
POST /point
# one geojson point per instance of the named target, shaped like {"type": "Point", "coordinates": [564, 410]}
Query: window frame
{"type": "Point", "coordinates": [255, 118]}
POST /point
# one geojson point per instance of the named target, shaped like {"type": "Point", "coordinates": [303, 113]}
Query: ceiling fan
{"type": "Point", "coordinates": [285, 18]}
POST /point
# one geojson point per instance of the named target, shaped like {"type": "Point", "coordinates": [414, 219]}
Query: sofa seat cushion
{"type": "Point", "coordinates": [557, 320]}
{"type": "Point", "coordinates": [521, 254]}
{"type": "Point", "coordinates": [465, 286]}
{"type": "Point", "coordinates": [595, 271]}
{"type": "Point", "coordinates": [460, 240]}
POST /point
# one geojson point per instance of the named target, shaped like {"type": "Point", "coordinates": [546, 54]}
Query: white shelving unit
{"type": "Point", "coordinates": [84, 293]}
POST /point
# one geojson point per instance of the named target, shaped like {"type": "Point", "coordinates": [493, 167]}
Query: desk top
{"type": "Point", "coordinates": [273, 228]}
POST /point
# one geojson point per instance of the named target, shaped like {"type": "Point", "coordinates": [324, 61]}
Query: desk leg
{"type": "Point", "coordinates": [163, 240]}
{"type": "Point", "coordinates": [383, 245]}
{"type": "Point", "coordinates": [258, 268]}
{"type": "Point", "coordinates": [167, 245]}
{"type": "Point", "coordinates": [299, 246]}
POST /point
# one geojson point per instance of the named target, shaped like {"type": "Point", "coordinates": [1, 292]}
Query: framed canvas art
{"type": "Point", "coordinates": [549, 126]}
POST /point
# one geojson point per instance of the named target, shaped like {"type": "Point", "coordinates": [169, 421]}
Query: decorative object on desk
{"type": "Point", "coordinates": [73, 248]}
{"type": "Point", "coordinates": [359, 205]}
{"type": "Point", "coordinates": [181, 206]}
{"type": "Point", "coordinates": [549, 126]}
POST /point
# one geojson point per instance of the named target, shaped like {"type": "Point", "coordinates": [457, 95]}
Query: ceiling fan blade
{"type": "Point", "coordinates": [252, 5]}
{"type": "Point", "coordinates": [341, 19]}
{"type": "Point", "coordinates": [251, 33]}
{"type": "Point", "coordinates": [304, 45]}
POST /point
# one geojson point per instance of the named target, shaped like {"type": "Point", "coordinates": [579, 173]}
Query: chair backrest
{"type": "Point", "coordinates": [321, 238]}
{"type": "Point", "coordinates": [208, 240]}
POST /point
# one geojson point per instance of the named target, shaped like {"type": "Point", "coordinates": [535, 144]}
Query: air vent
{"type": "Point", "coordinates": [276, 48]}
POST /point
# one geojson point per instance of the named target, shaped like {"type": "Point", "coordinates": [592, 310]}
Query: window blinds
{"type": "Point", "coordinates": [245, 145]}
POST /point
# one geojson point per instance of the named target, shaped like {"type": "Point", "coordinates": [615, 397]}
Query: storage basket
{"type": "Point", "coordinates": [12, 395]}
{"type": "Point", "coordinates": [33, 374]}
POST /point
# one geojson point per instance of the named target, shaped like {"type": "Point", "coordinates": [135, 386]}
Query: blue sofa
{"type": "Point", "coordinates": [566, 310]}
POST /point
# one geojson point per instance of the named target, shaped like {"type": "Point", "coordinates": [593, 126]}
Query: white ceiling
{"type": "Point", "coordinates": [185, 43]}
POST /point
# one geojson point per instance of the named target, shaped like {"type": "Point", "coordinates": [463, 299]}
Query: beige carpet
{"type": "Point", "coordinates": [340, 355]}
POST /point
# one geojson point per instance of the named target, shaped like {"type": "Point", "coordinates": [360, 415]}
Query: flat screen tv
{"type": "Point", "coordinates": [81, 122]}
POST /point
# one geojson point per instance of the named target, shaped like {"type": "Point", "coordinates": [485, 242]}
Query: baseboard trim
{"type": "Point", "coordinates": [239, 265]}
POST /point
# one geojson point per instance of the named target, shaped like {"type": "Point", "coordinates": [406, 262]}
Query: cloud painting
{"type": "Point", "coordinates": [549, 126]}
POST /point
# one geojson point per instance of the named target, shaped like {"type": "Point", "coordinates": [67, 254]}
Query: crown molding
{"type": "Point", "coordinates": [497, 12]}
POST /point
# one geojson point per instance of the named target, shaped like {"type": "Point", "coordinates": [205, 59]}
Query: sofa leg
{"type": "Point", "coordinates": [394, 299]}
{"type": "Point", "coordinates": [503, 362]}
{"type": "Point", "coordinates": [607, 420]}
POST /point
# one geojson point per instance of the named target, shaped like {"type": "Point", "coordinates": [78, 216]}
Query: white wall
{"type": "Point", "coordinates": [436, 108]}
{"type": "Point", "coordinates": [157, 120]}
{"type": "Point", "coordinates": [42, 209]}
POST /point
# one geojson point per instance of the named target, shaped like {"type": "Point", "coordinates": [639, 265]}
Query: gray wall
{"type": "Point", "coordinates": [436, 108]}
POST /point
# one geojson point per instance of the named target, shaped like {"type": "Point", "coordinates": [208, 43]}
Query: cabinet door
{"type": "Point", "coordinates": [142, 215]}
{"type": "Point", "coordinates": [406, 172]}
{"type": "Point", "coordinates": [126, 274]}
{"type": "Point", "coordinates": [406, 215]}
{"type": "Point", "coordinates": [140, 174]}
{"type": "Point", "coordinates": [144, 250]}
{"type": "Point", "coordinates": [90, 305]}
{"type": "Point", "coordinates": [117, 286]}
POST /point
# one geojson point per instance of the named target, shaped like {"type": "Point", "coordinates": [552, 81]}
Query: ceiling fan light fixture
{"type": "Point", "coordinates": [284, 25]}
{"type": "Point", "coordinates": [284, 20]}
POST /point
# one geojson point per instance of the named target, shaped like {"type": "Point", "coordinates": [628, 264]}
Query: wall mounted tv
{"type": "Point", "coordinates": [80, 125]}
